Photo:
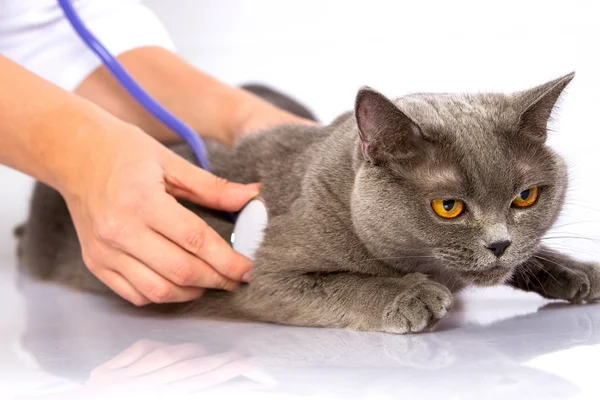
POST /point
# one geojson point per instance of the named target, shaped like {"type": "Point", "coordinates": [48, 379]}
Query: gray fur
{"type": "Point", "coordinates": [352, 241]}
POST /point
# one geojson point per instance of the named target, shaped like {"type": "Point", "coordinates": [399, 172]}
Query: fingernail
{"type": "Point", "coordinates": [247, 276]}
{"type": "Point", "coordinates": [256, 187]}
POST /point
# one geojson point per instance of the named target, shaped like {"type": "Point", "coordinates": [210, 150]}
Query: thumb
{"type": "Point", "coordinates": [188, 182]}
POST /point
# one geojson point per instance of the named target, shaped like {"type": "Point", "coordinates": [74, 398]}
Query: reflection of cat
{"type": "Point", "coordinates": [375, 219]}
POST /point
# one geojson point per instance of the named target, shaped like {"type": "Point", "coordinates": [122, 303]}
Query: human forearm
{"type": "Point", "coordinates": [45, 131]}
{"type": "Point", "coordinates": [212, 108]}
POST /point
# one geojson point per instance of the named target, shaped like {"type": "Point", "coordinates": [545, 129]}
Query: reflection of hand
{"type": "Point", "coordinates": [149, 367]}
{"type": "Point", "coordinates": [149, 364]}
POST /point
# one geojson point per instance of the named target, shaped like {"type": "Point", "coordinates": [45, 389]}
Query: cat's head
{"type": "Point", "coordinates": [460, 183]}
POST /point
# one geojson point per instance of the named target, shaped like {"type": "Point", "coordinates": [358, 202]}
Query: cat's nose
{"type": "Point", "coordinates": [498, 248]}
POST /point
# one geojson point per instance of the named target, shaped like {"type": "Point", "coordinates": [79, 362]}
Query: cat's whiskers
{"type": "Point", "coordinates": [555, 263]}
{"type": "Point", "coordinates": [548, 272]}
{"type": "Point", "coordinates": [536, 278]}
{"type": "Point", "coordinates": [573, 223]}
{"type": "Point", "coordinates": [520, 273]}
{"type": "Point", "coordinates": [572, 203]}
{"type": "Point", "coordinates": [571, 236]}
{"type": "Point", "coordinates": [562, 246]}
{"type": "Point", "coordinates": [454, 282]}
{"type": "Point", "coordinates": [591, 264]}
{"type": "Point", "coordinates": [451, 278]}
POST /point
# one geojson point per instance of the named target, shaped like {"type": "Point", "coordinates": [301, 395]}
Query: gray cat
{"type": "Point", "coordinates": [376, 219]}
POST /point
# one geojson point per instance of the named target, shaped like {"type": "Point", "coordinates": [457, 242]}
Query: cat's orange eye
{"type": "Point", "coordinates": [527, 197]}
{"type": "Point", "coordinates": [448, 208]}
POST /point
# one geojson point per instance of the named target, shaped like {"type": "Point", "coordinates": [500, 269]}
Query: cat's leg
{"type": "Point", "coordinates": [405, 304]}
{"type": "Point", "coordinates": [558, 276]}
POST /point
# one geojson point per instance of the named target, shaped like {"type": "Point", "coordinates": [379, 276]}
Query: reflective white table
{"type": "Point", "coordinates": [60, 344]}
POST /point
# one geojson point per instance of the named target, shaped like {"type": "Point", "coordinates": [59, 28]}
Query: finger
{"type": "Point", "coordinates": [150, 284]}
{"type": "Point", "coordinates": [186, 181]}
{"type": "Point", "coordinates": [118, 284]}
{"type": "Point", "coordinates": [215, 377]}
{"type": "Point", "coordinates": [195, 236]}
{"type": "Point", "coordinates": [161, 359]}
{"type": "Point", "coordinates": [185, 369]}
{"type": "Point", "coordinates": [130, 355]}
{"type": "Point", "coordinates": [174, 263]}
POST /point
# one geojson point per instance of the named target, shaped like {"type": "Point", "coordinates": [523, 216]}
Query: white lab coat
{"type": "Point", "coordinates": [35, 34]}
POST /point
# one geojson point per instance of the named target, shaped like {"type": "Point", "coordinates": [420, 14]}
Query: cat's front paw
{"type": "Point", "coordinates": [593, 273]}
{"type": "Point", "coordinates": [589, 284]}
{"type": "Point", "coordinates": [418, 308]}
{"type": "Point", "coordinates": [577, 284]}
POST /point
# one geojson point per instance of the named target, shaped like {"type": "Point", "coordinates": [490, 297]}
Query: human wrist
{"type": "Point", "coordinates": [84, 141]}
{"type": "Point", "coordinates": [231, 107]}
{"type": "Point", "coordinates": [222, 112]}
{"type": "Point", "coordinates": [245, 107]}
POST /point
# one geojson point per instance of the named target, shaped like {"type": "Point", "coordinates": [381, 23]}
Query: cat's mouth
{"type": "Point", "coordinates": [488, 275]}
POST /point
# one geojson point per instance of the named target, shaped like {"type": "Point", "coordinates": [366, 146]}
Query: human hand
{"type": "Point", "coordinates": [135, 237]}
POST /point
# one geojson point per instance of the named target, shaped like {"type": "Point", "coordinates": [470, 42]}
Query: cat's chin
{"type": "Point", "coordinates": [493, 275]}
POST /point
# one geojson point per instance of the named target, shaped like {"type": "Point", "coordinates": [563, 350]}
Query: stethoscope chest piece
{"type": "Point", "coordinates": [248, 231]}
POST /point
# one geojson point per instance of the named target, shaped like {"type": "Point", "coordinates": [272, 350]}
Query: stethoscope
{"type": "Point", "coordinates": [249, 224]}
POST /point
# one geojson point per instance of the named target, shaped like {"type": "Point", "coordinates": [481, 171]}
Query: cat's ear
{"type": "Point", "coordinates": [385, 131]}
{"type": "Point", "coordinates": [536, 106]}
